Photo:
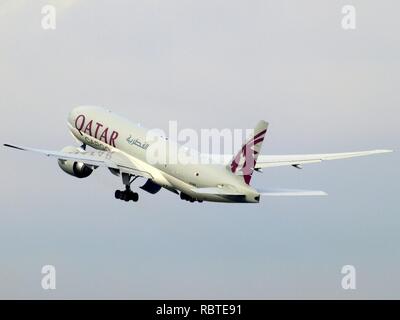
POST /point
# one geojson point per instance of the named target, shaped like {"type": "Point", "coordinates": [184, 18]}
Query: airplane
{"type": "Point", "coordinates": [121, 145]}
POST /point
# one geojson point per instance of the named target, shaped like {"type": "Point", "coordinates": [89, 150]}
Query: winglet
{"type": "Point", "coordinates": [14, 147]}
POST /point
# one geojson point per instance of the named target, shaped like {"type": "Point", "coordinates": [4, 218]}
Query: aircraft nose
{"type": "Point", "coordinates": [73, 114]}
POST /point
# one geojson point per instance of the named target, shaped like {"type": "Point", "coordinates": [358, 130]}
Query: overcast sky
{"type": "Point", "coordinates": [207, 64]}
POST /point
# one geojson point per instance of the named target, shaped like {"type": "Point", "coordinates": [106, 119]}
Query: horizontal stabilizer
{"type": "Point", "coordinates": [290, 192]}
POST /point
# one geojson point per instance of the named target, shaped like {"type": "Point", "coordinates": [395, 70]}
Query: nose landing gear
{"type": "Point", "coordinates": [127, 194]}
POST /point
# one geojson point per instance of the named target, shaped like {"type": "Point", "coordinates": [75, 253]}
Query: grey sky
{"type": "Point", "coordinates": [223, 64]}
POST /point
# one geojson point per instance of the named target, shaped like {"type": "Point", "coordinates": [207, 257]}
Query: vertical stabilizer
{"type": "Point", "coordinates": [245, 160]}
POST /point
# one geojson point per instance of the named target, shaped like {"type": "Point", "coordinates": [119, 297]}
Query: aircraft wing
{"type": "Point", "coordinates": [96, 158]}
{"type": "Point", "coordinates": [265, 161]}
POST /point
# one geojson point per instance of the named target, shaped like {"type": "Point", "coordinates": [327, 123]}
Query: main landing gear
{"type": "Point", "coordinates": [127, 194]}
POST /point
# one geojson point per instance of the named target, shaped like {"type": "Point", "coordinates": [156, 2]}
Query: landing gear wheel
{"type": "Point", "coordinates": [126, 197]}
{"type": "Point", "coordinates": [134, 196]}
{"type": "Point", "coordinates": [127, 194]}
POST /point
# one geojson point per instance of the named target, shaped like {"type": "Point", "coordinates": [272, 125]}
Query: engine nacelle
{"type": "Point", "coordinates": [74, 168]}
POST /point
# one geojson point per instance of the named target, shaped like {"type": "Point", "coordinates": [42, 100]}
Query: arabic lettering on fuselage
{"type": "Point", "coordinates": [136, 142]}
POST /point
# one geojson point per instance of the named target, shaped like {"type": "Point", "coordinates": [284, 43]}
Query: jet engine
{"type": "Point", "coordinates": [74, 168]}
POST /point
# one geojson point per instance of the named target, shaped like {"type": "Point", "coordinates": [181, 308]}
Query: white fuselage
{"type": "Point", "coordinates": [104, 130]}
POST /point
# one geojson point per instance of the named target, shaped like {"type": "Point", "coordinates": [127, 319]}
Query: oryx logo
{"type": "Point", "coordinates": [245, 160]}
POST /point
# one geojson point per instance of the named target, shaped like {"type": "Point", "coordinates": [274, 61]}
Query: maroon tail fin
{"type": "Point", "coordinates": [245, 160]}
